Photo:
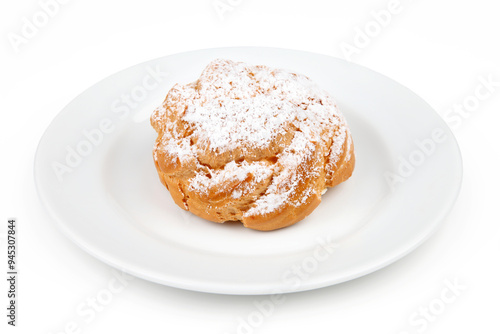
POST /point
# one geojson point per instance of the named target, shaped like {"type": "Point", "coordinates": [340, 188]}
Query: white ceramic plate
{"type": "Point", "coordinates": [95, 175]}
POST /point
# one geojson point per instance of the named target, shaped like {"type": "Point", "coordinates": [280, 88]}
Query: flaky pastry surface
{"type": "Point", "coordinates": [251, 144]}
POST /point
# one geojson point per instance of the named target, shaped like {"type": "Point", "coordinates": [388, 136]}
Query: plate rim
{"type": "Point", "coordinates": [213, 287]}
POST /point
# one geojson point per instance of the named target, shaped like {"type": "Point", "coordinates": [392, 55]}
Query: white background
{"type": "Point", "coordinates": [439, 49]}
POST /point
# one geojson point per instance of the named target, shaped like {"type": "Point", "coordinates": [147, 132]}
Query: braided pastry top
{"type": "Point", "coordinates": [251, 144]}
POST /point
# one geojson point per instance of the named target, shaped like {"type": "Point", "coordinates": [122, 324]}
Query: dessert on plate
{"type": "Point", "coordinates": [251, 144]}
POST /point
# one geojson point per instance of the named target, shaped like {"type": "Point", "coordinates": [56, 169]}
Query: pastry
{"type": "Point", "coordinates": [251, 144]}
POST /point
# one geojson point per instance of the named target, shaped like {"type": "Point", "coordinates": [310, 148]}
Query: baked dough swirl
{"type": "Point", "coordinates": [251, 144]}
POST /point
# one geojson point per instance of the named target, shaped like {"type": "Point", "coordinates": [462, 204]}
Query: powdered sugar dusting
{"type": "Point", "coordinates": [349, 144]}
{"type": "Point", "coordinates": [235, 108]}
{"type": "Point", "coordinates": [284, 184]}
{"type": "Point", "coordinates": [337, 144]}
{"type": "Point", "coordinates": [248, 106]}
{"type": "Point", "coordinates": [231, 173]}
{"type": "Point", "coordinates": [254, 121]}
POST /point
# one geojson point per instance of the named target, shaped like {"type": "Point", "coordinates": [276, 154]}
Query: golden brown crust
{"type": "Point", "coordinates": [266, 178]}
